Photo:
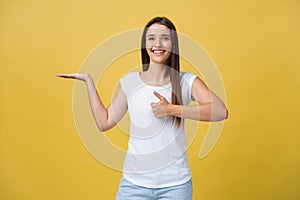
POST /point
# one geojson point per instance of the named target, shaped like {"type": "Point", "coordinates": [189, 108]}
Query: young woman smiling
{"type": "Point", "coordinates": [157, 99]}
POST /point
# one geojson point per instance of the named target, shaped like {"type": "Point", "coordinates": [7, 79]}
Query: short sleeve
{"type": "Point", "coordinates": [187, 80]}
{"type": "Point", "coordinates": [128, 82]}
{"type": "Point", "coordinates": [123, 84]}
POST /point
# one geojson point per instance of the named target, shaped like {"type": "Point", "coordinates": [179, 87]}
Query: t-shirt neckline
{"type": "Point", "coordinates": [151, 86]}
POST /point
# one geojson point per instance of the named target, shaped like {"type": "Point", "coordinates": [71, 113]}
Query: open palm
{"type": "Point", "coordinates": [82, 77]}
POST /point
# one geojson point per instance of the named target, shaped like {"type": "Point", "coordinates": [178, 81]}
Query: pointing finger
{"type": "Point", "coordinates": [158, 95]}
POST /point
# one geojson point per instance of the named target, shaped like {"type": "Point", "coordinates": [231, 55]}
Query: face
{"type": "Point", "coordinates": [158, 43]}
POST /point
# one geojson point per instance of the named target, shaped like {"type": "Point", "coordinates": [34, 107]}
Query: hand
{"type": "Point", "coordinates": [159, 109]}
{"type": "Point", "coordinates": [82, 77]}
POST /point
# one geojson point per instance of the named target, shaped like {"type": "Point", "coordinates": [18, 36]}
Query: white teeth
{"type": "Point", "coordinates": [158, 51]}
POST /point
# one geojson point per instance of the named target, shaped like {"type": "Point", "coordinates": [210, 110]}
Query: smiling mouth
{"type": "Point", "coordinates": [158, 51]}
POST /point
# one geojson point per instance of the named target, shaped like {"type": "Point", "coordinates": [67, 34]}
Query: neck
{"type": "Point", "coordinates": [158, 72]}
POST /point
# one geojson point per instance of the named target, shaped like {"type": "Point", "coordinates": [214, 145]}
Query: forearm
{"type": "Point", "coordinates": [99, 111]}
{"type": "Point", "coordinates": [203, 112]}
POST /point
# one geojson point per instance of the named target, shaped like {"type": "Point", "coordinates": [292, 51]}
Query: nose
{"type": "Point", "coordinates": [157, 43]}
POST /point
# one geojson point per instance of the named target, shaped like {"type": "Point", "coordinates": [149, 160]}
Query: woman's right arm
{"type": "Point", "coordinates": [105, 118]}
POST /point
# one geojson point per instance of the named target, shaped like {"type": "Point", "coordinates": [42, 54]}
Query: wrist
{"type": "Point", "coordinates": [88, 78]}
{"type": "Point", "coordinates": [173, 110]}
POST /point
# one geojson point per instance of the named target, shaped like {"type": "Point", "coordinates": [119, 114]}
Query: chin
{"type": "Point", "coordinates": [161, 62]}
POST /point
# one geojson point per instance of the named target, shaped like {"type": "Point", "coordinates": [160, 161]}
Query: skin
{"type": "Point", "coordinates": [158, 43]}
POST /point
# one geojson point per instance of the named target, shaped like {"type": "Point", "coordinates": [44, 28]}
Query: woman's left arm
{"type": "Point", "coordinates": [210, 107]}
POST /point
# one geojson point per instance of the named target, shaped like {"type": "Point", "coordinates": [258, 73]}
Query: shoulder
{"type": "Point", "coordinates": [187, 78]}
{"type": "Point", "coordinates": [186, 84]}
{"type": "Point", "coordinates": [129, 82]}
{"type": "Point", "coordinates": [130, 75]}
{"type": "Point", "coordinates": [186, 74]}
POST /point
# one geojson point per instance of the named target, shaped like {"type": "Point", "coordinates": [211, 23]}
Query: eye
{"type": "Point", "coordinates": [151, 38]}
{"type": "Point", "coordinates": [166, 38]}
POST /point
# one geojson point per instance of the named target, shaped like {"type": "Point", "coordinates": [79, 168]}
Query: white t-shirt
{"type": "Point", "coordinates": [156, 154]}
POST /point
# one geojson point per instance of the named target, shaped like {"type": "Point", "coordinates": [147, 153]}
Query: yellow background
{"type": "Point", "coordinates": [255, 45]}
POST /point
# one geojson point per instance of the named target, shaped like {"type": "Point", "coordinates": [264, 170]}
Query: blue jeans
{"type": "Point", "coordinates": [129, 191]}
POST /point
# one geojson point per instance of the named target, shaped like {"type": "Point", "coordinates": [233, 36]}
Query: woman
{"type": "Point", "coordinates": [157, 99]}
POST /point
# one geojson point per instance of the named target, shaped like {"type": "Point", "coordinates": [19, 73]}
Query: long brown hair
{"type": "Point", "coordinates": [173, 61]}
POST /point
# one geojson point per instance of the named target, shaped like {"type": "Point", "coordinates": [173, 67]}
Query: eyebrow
{"type": "Point", "coordinates": [161, 35]}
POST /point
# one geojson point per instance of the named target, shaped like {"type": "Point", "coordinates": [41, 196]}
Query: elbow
{"type": "Point", "coordinates": [214, 113]}
{"type": "Point", "coordinates": [105, 126]}
{"type": "Point", "coordinates": [225, 114]}
{"type": "Point", "coordinates": [102, 128]}
{"type": "Point", "coordinates": [221, 115]}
